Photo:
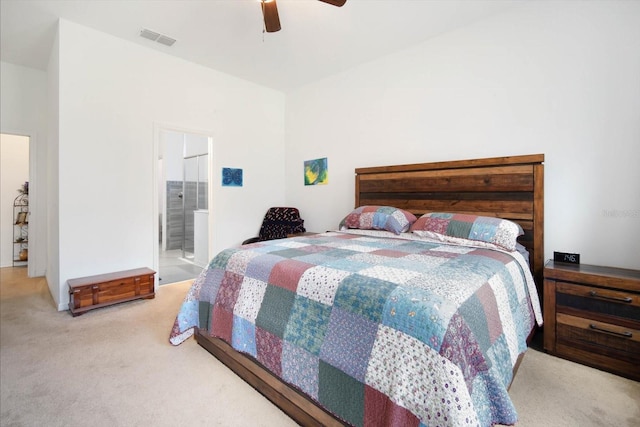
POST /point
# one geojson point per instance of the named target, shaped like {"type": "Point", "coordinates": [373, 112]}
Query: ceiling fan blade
{"type": "Point", "coordinates": [270, 14]}
{"type": "Point", "coordinates": [338, 3]}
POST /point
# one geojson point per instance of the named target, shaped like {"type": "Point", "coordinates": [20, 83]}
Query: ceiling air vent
{"type": "Point", "coordinates": [148, 34]}
{"type": "Point", "coordinates": [167, 41]}
{"type": "Point", "coordinates": [157, 37]}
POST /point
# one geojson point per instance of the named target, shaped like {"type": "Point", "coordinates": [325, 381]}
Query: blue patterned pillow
{"type": "Point", "coordinates": [378, 218]}
{"type": "Point", "coordinates": [449, 227]}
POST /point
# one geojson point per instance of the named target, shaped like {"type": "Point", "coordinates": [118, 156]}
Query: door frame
{"type": "Point", "coordinates": [35, 266]}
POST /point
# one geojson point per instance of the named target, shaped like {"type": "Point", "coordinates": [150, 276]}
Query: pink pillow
{"type": "Point", "coordinates": [378, 218]}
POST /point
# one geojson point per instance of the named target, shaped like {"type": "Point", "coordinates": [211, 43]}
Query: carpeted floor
{"type": "Point", "coordinates": [115, 367]}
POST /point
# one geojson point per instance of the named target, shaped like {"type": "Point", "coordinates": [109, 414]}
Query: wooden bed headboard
{"type": "Point", "coordinates": [505, 187]}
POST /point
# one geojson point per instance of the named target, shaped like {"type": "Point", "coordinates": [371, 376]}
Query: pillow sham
{"type": "Point", "coordinates": [451, 227]}
{"type": "Point", "coordinates": [378, 218]}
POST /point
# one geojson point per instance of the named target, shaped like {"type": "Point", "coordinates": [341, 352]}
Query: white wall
{"type": "Point", "coordinates": [14, 171]}
{"type": "Point", "coordinates": [112, 95]}
{"type": "Point", "coordinates": [559, 78]}
{"type": "Point", "coordinates": [53, 172]}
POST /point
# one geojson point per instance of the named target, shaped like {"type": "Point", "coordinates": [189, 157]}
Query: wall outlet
{"type": "Point", "coordinates": [567, 257]}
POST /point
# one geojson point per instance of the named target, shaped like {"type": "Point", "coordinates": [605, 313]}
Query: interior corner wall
{"type": "Point", "coordinates": [112, 95]}
{"type": "Point", "coordinates": [53, 174]}
{"type": "Point", "coordinates": [23, 112]}
{"type": "Point", "coordinates": [559, 78]}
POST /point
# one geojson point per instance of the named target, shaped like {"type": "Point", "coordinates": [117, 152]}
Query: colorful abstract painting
{"type": "Point", "coordinates": [316, 172]}
{"type": "Point", "coordinates": [231, 177]}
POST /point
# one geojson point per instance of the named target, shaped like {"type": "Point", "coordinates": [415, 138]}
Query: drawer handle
{"type": "Point", "coordinates": [619, 299]}
{"type": "Point", "coordinates": [625, 334]}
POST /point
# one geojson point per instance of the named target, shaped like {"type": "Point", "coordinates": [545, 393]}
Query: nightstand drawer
{"type": "Point", "coordinates": [610, 340]}
{"type": "Point", "coordinates": [607, 305]}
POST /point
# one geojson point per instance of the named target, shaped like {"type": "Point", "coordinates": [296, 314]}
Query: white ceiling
{"type": "Point", "coordinates": [316, 39]}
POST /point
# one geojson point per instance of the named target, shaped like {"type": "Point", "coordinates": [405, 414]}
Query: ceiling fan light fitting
{"type": "Point", "coordinates": [338, 3]}
{"type": "Point", "coordinates": [270, 15]}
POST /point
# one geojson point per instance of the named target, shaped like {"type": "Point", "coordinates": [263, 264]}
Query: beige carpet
{"type": "Point", "coordinates": [115, 367]}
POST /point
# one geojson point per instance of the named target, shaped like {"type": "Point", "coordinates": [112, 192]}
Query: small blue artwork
{"type": "Point", "coordinates": [231, 177]}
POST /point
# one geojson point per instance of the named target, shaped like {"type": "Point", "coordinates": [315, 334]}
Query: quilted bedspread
{"type": "Point", "coordinates": [378, 330]}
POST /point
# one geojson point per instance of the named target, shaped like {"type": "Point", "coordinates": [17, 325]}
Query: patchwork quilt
{"type": "Point", "coordinates": [378, 330]}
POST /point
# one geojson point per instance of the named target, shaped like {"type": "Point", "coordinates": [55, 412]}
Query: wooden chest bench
{"type": "Point", "coordinates": [88, 293]}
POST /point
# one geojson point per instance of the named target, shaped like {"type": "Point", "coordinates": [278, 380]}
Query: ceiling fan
{"type": "Point", "coordinates": [270, 13]}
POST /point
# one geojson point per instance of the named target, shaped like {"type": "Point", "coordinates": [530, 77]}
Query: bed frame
{"type": "Point", "coordinates": [505, 187]}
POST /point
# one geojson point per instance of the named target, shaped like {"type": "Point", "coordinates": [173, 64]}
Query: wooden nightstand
{"type": "Point", "coordinates": [592, 316]}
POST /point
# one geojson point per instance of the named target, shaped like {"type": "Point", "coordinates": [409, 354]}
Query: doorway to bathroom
{"type": "Point", "coordinates": [183, 198]}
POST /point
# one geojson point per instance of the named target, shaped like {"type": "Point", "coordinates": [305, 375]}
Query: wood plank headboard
{"type": "Point", "coordinates": [505, 187]}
